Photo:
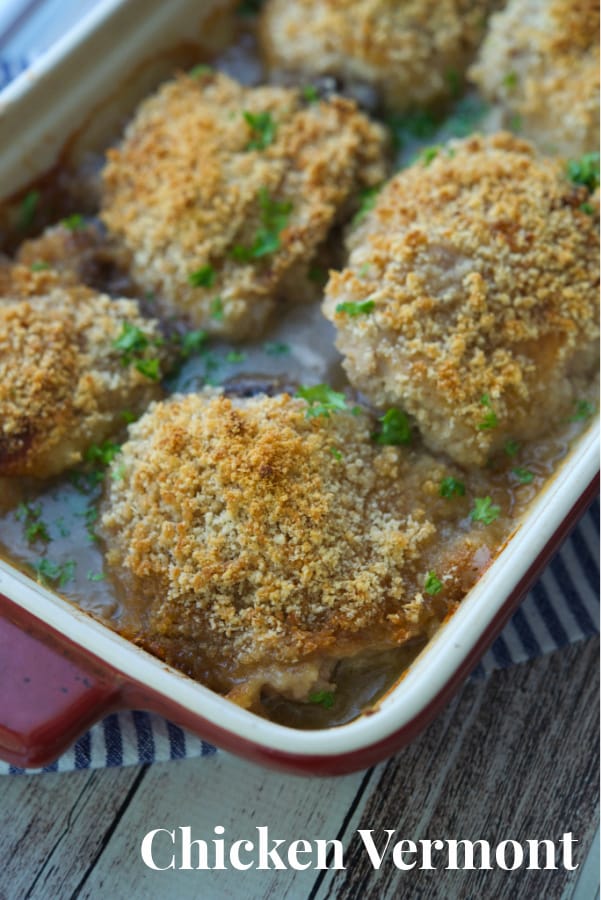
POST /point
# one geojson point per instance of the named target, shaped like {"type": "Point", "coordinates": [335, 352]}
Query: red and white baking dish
{"type": "Point", "coordinates": [60, 670]}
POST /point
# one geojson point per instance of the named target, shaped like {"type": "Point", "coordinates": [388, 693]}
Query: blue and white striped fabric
{"type": "Point", "coordinates": [562, 608]}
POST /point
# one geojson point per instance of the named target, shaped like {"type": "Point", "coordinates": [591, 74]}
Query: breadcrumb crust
{"type": "Point", "coordinates": [483, 271]}
{"type": "Point", "coordinates": [245, 546]}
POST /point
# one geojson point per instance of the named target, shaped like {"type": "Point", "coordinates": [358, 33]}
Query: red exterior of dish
{"type": "Point", "coordinates": [52, 690]}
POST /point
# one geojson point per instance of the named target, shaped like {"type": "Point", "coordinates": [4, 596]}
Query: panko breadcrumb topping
{"type": "Point", "coordinates": [413, 52]}
{"type": "Point", "coordinates": [540, 61]}
{"type": "Point", "coordinates": [63, 384]}
{"type": "Point", "coordinates": [481, 272]}
{"type": "Point", "coordinates": [223, 193]}
{"type": "Point", "coordinates": [250, 549]}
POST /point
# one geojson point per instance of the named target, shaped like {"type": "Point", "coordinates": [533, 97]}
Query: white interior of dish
{"type": "Point", "coordinates": [42, 108]}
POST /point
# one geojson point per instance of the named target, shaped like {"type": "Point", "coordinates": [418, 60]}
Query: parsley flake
{"type": "Point", "coordinates": [55, 573]}
{"type": "Point", "coordinates": [37, 530]}
{"type": "Point", "coordinates": [263, 127]}
{"type": "Point", "coordinates": [394, 428]}
{"type": "Point", "coordinates": [310, 93]}
{"type": "Point", "coordinates": [322, 698]}
{"type": "Point", "coordinates": [39, 266]}
{"type": "Point", "coordinates": [74, 222]}
{"type": "Point", "coordinates": [585, 171]}
{"type": "Point", "coordinates": [451, 487]}
{"type": "Point", "coordinates": [367, 201]}
{"type": "Point", "coordinates": [28, 210]}
{"type": "Point", "coordinates": [193, 342]}
{"type": "Point", "coordinates": [102, 454]}
{"type": "Point", "coordinates": [512, 448]}
{"type": "Point", "coordinates": [275, 348]}
{"type": "Point", "coordinates": [584, 410]}
{"type": "Point", "coordinates": [484, 510]}
{"type": "Point", "coordinates": [490, 419]}
{"type": "Point", "coordinates": [149, 368]}
{"type": "Point", "coordinates": [322, 400]}
{"type": "Point", "coordinates": [274, 219]}
{"type": "Point", "coordinates": [524, 476]}
{"type": "Point", "coordinates": [428, 154]}
{"type": "Point", "coordinates": [203, 277]}
{"type": "Point", "coordinates": [235, 356]}
{"type": "Point", "coordinates": [432, 584]}
{"type": "Point", "coordinates": [200, 71]}
{"type": "Point", "coordinates": [217, 309]}
{"type": "Point", "coordinates": [336, 453]}
{"type": "Point", "coordinates": [356, 309]}
{"type": "Point", "coordinates": [95, 576]}
{"type": "Point", "coordinates": [510, 81]}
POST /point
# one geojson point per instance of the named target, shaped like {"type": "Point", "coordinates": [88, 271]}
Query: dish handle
{"type": "Point", "coordinates": [50, 691]}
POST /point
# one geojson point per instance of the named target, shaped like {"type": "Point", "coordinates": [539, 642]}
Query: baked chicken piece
{"type": "Point", "coordinates": [471, 296]}
{"type": "Point", "coordinates": [540, 61]}
{"type": "Point", "coordinates": [222, 194]}
{"type": "Point", "coordinates": [71, 362]}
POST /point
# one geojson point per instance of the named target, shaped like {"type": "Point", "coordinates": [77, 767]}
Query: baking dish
{"type": "Point", "coordinates": [61, 669]}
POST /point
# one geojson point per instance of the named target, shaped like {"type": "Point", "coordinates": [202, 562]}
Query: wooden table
{"type": "Point", "coordinates": [513, 757]}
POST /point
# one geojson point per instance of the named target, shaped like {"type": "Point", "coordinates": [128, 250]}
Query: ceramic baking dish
{"type": "Point", "coordinates": [61, 670]}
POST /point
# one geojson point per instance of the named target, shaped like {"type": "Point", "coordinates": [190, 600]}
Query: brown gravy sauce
{"type": "Point", "coordinates": [54, 521]}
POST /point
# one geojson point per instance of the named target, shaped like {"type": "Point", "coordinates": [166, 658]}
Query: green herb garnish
{"type": "Point", "coordinates": [524, 476]}
{"type": "Point", "coordinates": [484, 510]}
{"type": "Point", "coordinates": [428, 154]}
{"type": "Point", "coordinates": [263, 128]}
{"type": "Point", "coordinates": [149, 368]}
{"type": "Point", "coordinates": [587, 208]}
{"type": "Point", "coordinates": [235, 356]}
{"type": "Point", "coordinates": [318, 275]}
{"type": "Point", "coordinates": [203, 277]}
{"type": "Point", "coordinates": [367, 200]}
{"type": "Point", "coordinates": [432, 584]}
{"type": "Point", "coordinates": [200, 71]}
{"type": "Point", "coordinates": [193, 342]}
{"type": "Point", "coordinates": [102, 454]}
{"type": "Point", "coordinates": [275, 348]}
{"type": "Point", "coordinates": [55, 573]}
{"type": "Point", "coordinates": [310, 93]}
{"type": "Point", "coordinates": [356, 309]}
{"type": "Point", "coordinates": [28, 210]}
{"type": "Point", "coordinates": [322, 698]}
{"type": "Point", "coordinates": [39, 266]}
{"type": "Point", "coordinates": [585, 171]}
{"type": "Point", "coordinates": [37, 530]}
{"type": "Point", "coordinates": [128, 416]}
{"type": "Point", "coordinates": [512, 448]}
{"type": "Point", "coordinates": [515, 122]}
{"type": "Point", "coordinates": [490, 419]}
{"type": "Point", "coordinates": [274, 219]}
{"type": "Point", "coordinates": [454, 82]}
{"type": "Point", "coordinates": [584, 410]}
{"type": "Point", "coordinates": [394, 428]}
{"type": "Point", "coordinates": [322, 400]}
{"type": "Point", "coordinates": [336, 453]}
{"type": "Point", "coordinates": [216, 309]}
{"type": "Point", "coordinates": [510, 81]}
{"type": "Point", "coordinates": [420, 125]}
{"type": "Point", "coordinates": [95, 576]}
{"type": "Point", "coordinates": [131, 341]}
{"type": "Point", "coordinates": [451, 487]}
{"type": "Point", "coordinates": [74, 222]}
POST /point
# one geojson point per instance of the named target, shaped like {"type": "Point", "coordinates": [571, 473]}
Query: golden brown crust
{"type": "Point", "coordinates": [412, 52]}
{"type": "Point", "coordinates": [62, 383]}
{"type": "Point", "coordinates": [183, 190]}
{"type": "Point", "coordinates": [540, 60]}
{"type": "Point", "coordinates": [247, 545]}
{"type": "Point", "coordinates": [483, 272]}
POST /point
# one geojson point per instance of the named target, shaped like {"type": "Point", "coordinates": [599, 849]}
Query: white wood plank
{"type": "Point", "coordinates": [221, 790]}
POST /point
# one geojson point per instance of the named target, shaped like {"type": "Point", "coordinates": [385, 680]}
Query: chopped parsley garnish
{"type": "Point", "coordinates": [193, 342]}
{"type": "Point", "coordinates": [421, 125]}
{"type": "Point", "coordinates": [203, 277]}
{"type": "Point", "coordinates": [585, 171]}
{"type": "Point", "coordinates": [512, 448]}
{"type": "Point", "coordinates": [128, 416]}
{"type": "Point", "coordinates": [363, 270]}
{"type": "Point", "coordinates": [587, 208]}
{"type": "Point", "coordinates": [26, 512]}
{"type": "Point", "coordinates": [235, 356]}
{"type": "Point", "coordinates": [118, 472]}
{"type": "Point", "coordinates": [132, 342]}
{"type": "Point", "coordinates": [584, 410]}
{"type": "Point", "coordinates": [454, 82]}
{"type": "Point", "coordinates": [150, 368]}
{"type": "Point", "coordinates": [200, 71]}
{"type": "Point", "coordinates": [510, 81]}
{"type": "Point", "coordinates": [428, 154]}
{"type": "Point", "coordinates": [432, 584]}
{"type": "Point", "coordinates": [263, 128]}
{"type": "Point", "coordinates": [310, 93]}
{"type": "Point", "coordinates": [276, 348]}
{"type": "Point", "coordinates": [217, 309]}
{"type": "Point", "coordinates": [37, 530]}
{"type": "Point", "coordinates": [274, 219]}
{"type": "Point", "coordinates": [484, 510]}
{"type": "Point", "coordinates": [28, 209]}
{"type": "Point", "coordinates": [515, 123]}
{"type": "Point", "coordinates": [367, 198]}
{"type": "Point", "coordinates": [95, 576]}
{"type": "Point", "coordinates": [394, 428]}
{"type": "Point", "coordinates": [336, 453]}
{"type": "Point", "coordinates": [102, 454]}
{"type": "Point", "coordinates": [39, 266]}
{"type": "Point", "coordinates": [451, 487]}
{"type": "Point", "coordinates": [356, 309]}
{"type": "Point", "coordinates": [74, 222]}
{"type": "Point", "coordinates": [322, 400]}
{"type": "Point", "coordinates": [318, 275]}
{"type": "Point", "coordinates": [524, 476]}
{"type": "Point", "coordinates": [490, 419]}
{"type": "Point", "coordinates": [322, 698]}
{"type": "Point", "coordinates": [55, 573]}
{"type": "Point", "coordinates": [34, 527]}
